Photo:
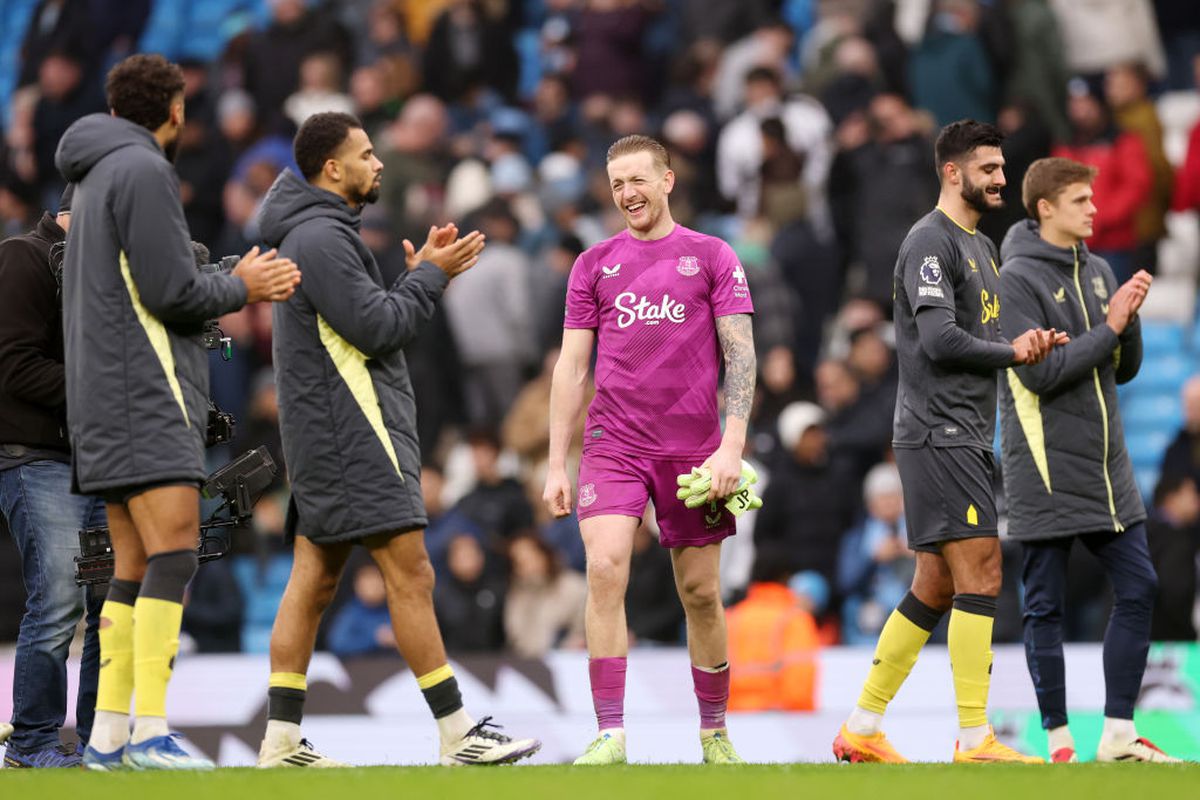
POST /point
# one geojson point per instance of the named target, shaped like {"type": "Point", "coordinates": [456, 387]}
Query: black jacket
{"type": "Point", "coordinates": [33, 394]}
{"type": "Point", "coordinates": [346, 410]}
{"type": "Point", "coordinates": [133, 309]}
{"type": "Point", "coordinates": [1066, 469]}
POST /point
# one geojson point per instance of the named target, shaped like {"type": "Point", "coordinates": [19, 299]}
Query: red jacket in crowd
{"type": "Point", "coordinates": [1187, 180]}
{"type": "Point", "coordinates": [1122, 185]}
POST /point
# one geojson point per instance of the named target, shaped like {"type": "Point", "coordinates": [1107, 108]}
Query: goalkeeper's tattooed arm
{"type": "Point", "coordinates": [737, 343]}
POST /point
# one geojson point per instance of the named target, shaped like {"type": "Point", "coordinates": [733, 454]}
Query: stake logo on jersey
{"type": "Point", "coordinates": [633, 309]}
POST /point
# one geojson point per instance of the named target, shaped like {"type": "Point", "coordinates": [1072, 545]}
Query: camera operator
{"type": "Point", "coordinates": [137, 388]}
{"type": "Point", "coordinates": [36, 499]}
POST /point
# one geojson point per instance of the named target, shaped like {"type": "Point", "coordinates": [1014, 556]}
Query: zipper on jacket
{"type": "Point", "coordinates": [1087, 321]}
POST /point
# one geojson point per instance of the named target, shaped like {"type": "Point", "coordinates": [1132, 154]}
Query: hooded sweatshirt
{"type": "Point", "coordinates": [133, 308]}
{"type": "Point", "coordinates": [1066, 469]}
{"type": "Point", "coordinates": [346, 410]}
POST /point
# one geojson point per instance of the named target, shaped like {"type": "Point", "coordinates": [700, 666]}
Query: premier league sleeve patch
{"type": "Point", "coordinates": [931, 271]}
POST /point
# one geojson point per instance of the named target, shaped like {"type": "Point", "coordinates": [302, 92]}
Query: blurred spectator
{"type": "Point", "coordinates": [688, 138]}
{"type": "Point", "coordinates": [64, 98]}
{"type": "Point", "coordinates": [740, 146]}
{"type": "Point", "coordinates": [859, 424]}
{"type": "Point", "coordinates": [204, 159]}
{"type": "Point", "coordinates": [415, 165]}
{"type": "Point", "coordinates": [875, 566]}
{"type": "Point", "coordinates": [467, 49]}
{"type": "Point", "coordinates": [272, 57]}
{"type": "Point", "coordinates": [1125, 88]}
{"type": "Point", "coordinates": [492, 319]}
{"type": "Point", "coordinates": [214, 609]}
{"type": "Point", "coordinates": [1026, 140]}
{"type": "Point", "coordinates": [951, 74]}
{"type": "Point", "coordinates": [773, 643]}
{"type": "Point", "coordinates": [469, 601]}
{"type": "Point", "coordinates": [319, 90]}
{"type": "Point", "coordinates": [1039, 76]}
{"type": "Point", "coordinates": [1100, 33]}
{"type": "Point", "coordinates": [444, 523]}
{"type": "Point", "coordinates": [1182, 456]}
{"type": "Point", "coordinates": [652, 609]}
{"type": "Point", "coordinates": [608, 44]}
{"type": "Point", "coordinates": [1124, 182]}
{"type": "Point", "coordinates": [56, 26]}
{"type": "Point", "coordinates": [720, 19]}
{"type": "Point", "coordinates": [526, 430]}
{"type": "Point", "coordinates": [766, 48]}
{"type": "Point", "coordinates": [777, 389]}
{"type": "Point", "coordinates": [549, 289]}
{"type": "Point", "coordinates": [544, 607]}
{"type": "Point", "coordinates": [880, 185]}
{"type": "Point", "coordinates": [782, 196]}
{"type": "Point", "coordinates": [807, 506]}
{"type": "Point", "coordinates": [1174, 540]}
{"type": "Point", "coordinates": [497, 504]}
{"type": "Point", "coordinates": [363, 626]}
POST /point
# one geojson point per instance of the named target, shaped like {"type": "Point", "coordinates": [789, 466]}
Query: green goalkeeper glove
{"type": "Point", "coordinates": [694, 486]}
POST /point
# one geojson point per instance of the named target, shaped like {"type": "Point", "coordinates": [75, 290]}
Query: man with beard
{"type": "Point", "coordinates": [348, 423]}
{"type": "Point", "coordinates": [949, 347]}
{"type": "Point", "coordinates": [137, 388]}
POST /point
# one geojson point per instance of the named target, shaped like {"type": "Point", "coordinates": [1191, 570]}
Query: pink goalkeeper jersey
{"type": "Point", "coordinates": [654, 307]}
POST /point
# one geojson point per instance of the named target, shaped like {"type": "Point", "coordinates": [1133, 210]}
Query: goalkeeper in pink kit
{"type": "Point", "coordinates": [663, 303]}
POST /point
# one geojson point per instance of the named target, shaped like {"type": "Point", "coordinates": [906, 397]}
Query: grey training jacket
{"type": "Point", "coordinates": [346, 409]}
{"type": "Point", "coordinates": [133, 305]}
{"type": "Point", "coordinates": [1066, 469]}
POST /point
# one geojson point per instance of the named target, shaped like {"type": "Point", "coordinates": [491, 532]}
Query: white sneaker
{"type": "Point", "coordinates": [1140, 749]}
{"type": "Point", "coordinates": [482, 746]}
{"type": "Point", "coordinates": [298, 755]}
{"type": "Point", "coordinates": [6, 731]}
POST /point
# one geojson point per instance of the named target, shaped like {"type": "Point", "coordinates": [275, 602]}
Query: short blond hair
{"type": "Point", "coordinates": [1047, 178]}
{"type": "Point", "coordinates": [637, 143]}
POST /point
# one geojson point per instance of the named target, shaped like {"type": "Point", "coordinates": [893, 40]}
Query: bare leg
{"type": "Point", "coordinates": [698, 581]}
{"type": "Point", "coordinates": [316, 570]}
{"type": "Point", "coordinates": [608, 541]}
{"type": "Point", "coordinates": [408, 576]}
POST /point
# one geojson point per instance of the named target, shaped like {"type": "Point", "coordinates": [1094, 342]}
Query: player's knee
{"type": "Point", "coordinates": [323, 588]}
{"type": "Point", "coordinates": [412, 576]}
{"type": "Point", "coordinates": [700, 595]}
{"type": "Point", "coordinates": [606, 576]}
{"type": "Point", "coordinates": [1140, 590]}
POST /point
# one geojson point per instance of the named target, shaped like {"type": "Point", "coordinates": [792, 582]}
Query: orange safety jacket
{"type": "Point", "coordinates": [773, 651]}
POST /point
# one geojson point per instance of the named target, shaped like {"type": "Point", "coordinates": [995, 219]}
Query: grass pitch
{"type": "Point", "coordinates": [754, 782]}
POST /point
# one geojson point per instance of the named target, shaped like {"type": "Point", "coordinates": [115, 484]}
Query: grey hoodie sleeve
{"type": "Point", "coordinates": [1066, 365]}
{"type": "Point", "coordinates": [374, 320]}
{"type": "Point", "coordinates": [153, 233]}
{"type": "Point", "coordinates": [946, 344]}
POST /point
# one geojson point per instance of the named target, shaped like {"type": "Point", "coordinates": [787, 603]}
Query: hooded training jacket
{"type": "Point", "coordinates": [133, 308]}
{"type": "Point", "coordinates": [1066, 469]}
{"type": "Point", "coordinates": [346, 410]}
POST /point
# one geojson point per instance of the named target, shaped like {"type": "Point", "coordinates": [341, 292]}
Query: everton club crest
{"type": "Point", "coordinates": [688, 265]}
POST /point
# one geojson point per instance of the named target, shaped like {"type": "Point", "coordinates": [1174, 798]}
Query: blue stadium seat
{"type": "Point", "coordinates": [1162, 337]}
{"type": "Point", "coordinates": [1146, 448]}
{"type": "Point", "coordinates": [1142, 410]}
{"type": "Point", "coordinates": [1164, 372]}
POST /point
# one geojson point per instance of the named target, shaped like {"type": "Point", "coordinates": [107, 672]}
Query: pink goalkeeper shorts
{"type": "Point", "coordinates": [612, 483]}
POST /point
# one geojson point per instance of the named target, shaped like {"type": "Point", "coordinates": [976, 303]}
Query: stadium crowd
{"type": "Point", "coordinates": [800, 131]}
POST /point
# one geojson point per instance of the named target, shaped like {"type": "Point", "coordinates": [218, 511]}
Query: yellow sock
{"type": "Point", "coordinates": [155, 643]}
{"type": "Point", "coordinates": [970, 644]}
{"type": "Point", "coordinates": [116, 658]}
{"type": "Point", "coordinates": [904, 634]}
